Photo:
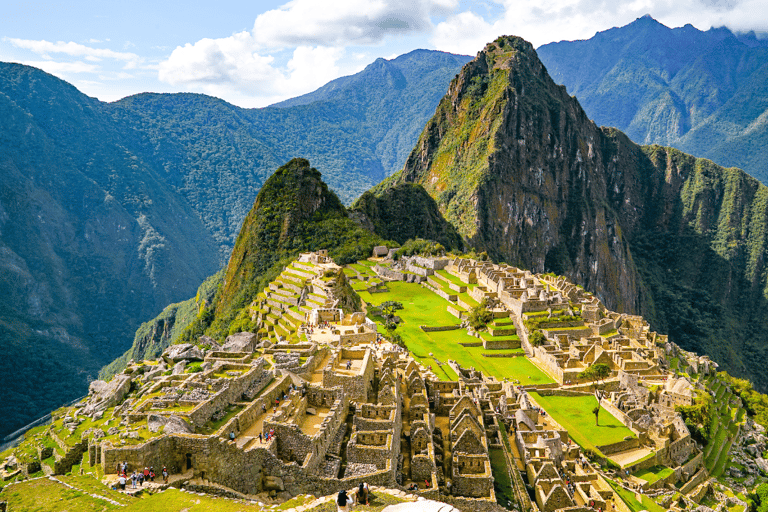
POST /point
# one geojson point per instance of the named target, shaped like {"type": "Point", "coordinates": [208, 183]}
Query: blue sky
{"type": "Point", "coordinates": [253, 54]}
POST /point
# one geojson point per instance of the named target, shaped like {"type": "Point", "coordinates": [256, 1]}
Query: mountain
{"type": "Point", "coordinates": [704, 93]}
{"type": "Point", "coordinates": [92, 242]}
{"type": "Point", "coordinates": [358, 129]}
{"type": "Point", "coordinates": [514, 162]}
{"type": "Point", "coordinates": [111, 211]}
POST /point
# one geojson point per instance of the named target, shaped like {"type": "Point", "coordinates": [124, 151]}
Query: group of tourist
{"type": "Point", "coordinates": [345, 501]}
{"type": "Point", "coordinates": [147, 475]}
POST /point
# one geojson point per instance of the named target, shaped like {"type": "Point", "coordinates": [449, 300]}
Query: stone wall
{"type": "Point", "coordinates": [201, 414]}
{"type": "Point", "coordinates": [500, 344]}
{"type": "Point", "coordinates": [295, 445]}
{"type": "Point", "coordinates": [620, 446]}
{"type": "Point", "coordinates": [427, 328]}
{"type": "Point", "coordinates": [371, 447]}
{"type": "Point", "coordinates": [358, 338]}
{"type": "Point", "coordinates": [355, 386]}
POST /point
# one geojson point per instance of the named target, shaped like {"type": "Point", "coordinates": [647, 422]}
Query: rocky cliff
{"type": "Point", "coordinates": [516, 165]}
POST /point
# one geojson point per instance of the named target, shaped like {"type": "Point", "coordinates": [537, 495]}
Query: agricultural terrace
{"type": "Point", "coordinates": [574, 413]}
{"type": "Point", "coordinates": [423, 307]}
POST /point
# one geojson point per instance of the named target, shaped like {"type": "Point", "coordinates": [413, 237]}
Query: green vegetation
{"type": "Point", "coordinates": [501, 481]}
{"type": "Point", "coordinates": [630, 499]}
{"type": "Point", "coordinates": [654, 474]}
{"type": "Point", "coordinates": [480, 316]}
{"type": "Point", "coordinates": [575, 415]}
{"type": "Point", "coordinates": [405, 213]}
{"type": "Point", "coordinates": [755, 402]}
{"type": "Point", "coordinates": [419, 246]}
{"type": "Point", "coordinates": [423, 307]}
{"type": "Point", "coordinates": [652, 85]}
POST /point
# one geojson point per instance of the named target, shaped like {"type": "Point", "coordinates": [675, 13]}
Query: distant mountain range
{"type": "Point", "coordinates": [110, 211]}
{"type": "Point", "coordinates": [705, 93]}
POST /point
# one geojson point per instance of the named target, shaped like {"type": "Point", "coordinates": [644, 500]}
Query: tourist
{"type": "Point", "coordinates": [151, 473]}
{"type": "Point", "coordinates": [141, 479]}
{"type": "Point", "coordinates": [165, 475]}
{"type": "Point", "coordinates": [232, 435]}
{"type": "Point", "coordinates": [341, 501]}
{"type": "Point", "coordinates": [261, 439]}
{"type": "Point", "coordinates": [146, 473]}
{"type": "Point", "coordinates": [426, 483]}
{"type": "Point", "coordinates": [362, 497]}
{"type": "Point", "coordinates": [121, 482]}
{"type": "Point", "coordinates": [133, 480]}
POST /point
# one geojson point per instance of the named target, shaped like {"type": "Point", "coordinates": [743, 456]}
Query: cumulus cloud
{"type": "Point", "coordinates": [314, 34]}
{"type": "Point", "coordinates": [233, 67]}
{"type": "Point", "coordinates": [343, 22]}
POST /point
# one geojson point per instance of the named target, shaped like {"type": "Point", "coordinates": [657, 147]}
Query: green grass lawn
{"type": "Point", "coordinates": [423, 307]}
{"type": "Point", "coordinates": [654, 474]}
{"type": "Point", "coordinates": [574, 413]}
{"type": "Point", "coordinates": [631, 501]}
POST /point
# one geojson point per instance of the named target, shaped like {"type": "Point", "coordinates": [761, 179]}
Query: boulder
{"type": "Point", "coordinates": [273, 483]}
{"type": "Point", "coordinates": [104, 395]}
{"type": "Point", "coordinates": [240, 342]}
{"type": "Point", "coordinates": [184, 351]}
{"type": "Point", "coordinates": [155, 422]}
{"type": "Point", "coordinates": [176, 425]}
{"type": "Point", "coordinates": [210, 343]}
{"type": "Point", "coordinates": [178, 369]}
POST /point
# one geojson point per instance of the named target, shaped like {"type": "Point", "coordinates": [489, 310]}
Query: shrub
{"type": "Point", "coordinates": [537, 338]}
{"type": "Point", "coordinates": [480, 315]}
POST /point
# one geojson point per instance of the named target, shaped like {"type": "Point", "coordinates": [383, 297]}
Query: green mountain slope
{"type": "Point", "coordinates": [516, 165]}
{"type": "Point", "coordinates": [90, 239]}
{"type": "Point", "coordinates": [358, 129]}
{"type": "Point", "coordinates": [702, 92]}
{"type": "Point", "coordinates": [294, 212]}
{"type": "Point", "coordinates": [111, 211]}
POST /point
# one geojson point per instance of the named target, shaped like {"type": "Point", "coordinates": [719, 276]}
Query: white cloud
{"type": "Point", "coordinates": [46, 48]}
{"type": "Point", "coordinates": [344, 22]}
{"type": "Point", "coordinates": [315, 34]}
{"type": "Point", "coordinates": [544, 21]}
{"type": "Point", "coordinates": [233, 67]}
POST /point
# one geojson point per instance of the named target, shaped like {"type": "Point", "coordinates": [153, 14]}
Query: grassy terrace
{"type": "Point", "coordinates": [654, 474]}
{"type": "Point", "coordinates": [631, 500]}
{"type": "Point", "coordinates": [575, 415]}
{"type": "Point", "coordinates": [452, 278]}
{"type": "Point", "coordinates": [423, 307]}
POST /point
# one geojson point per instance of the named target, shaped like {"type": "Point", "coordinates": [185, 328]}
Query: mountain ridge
{"type": "Point", "coordinates": [699, 91]}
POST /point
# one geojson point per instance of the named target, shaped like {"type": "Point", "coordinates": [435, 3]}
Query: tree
{"type": "Point", "coordinates": [596, 412]}
{"type": "Point", "coordinates": [480, 315]}
{"type": "Point", "coordinates": [388, 309]}
{"type": "Point", "coordinates": [596, 373]}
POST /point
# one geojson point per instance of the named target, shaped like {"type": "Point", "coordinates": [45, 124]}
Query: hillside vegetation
{"type": "Point", "coordinates": [701, 92]}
